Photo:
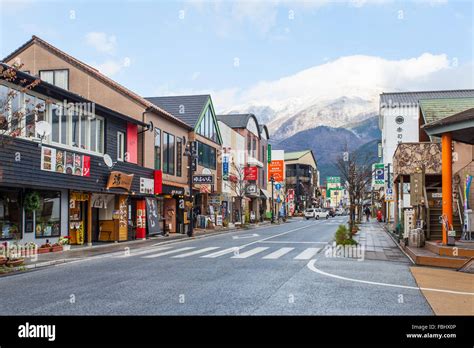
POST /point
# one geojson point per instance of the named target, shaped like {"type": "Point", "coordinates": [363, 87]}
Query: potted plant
{"type": "Point", "coordinates": [64, 241]}
{"type": "Point", "coordinates": [29, 249]}
{"type": "Point", "coordinates": [45, 248]}
{"type": "Point", "coordinates": [56, 247]}
{"type": "Point", "coordinates": [14, 262]}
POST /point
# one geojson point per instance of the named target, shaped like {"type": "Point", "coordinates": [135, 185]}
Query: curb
{"type": "Point", "coordinates": [35, 266]}
{"type": "Point", "coordinates": [396, 243]}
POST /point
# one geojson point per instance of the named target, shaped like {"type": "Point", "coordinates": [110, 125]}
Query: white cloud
{"type": "Point", "coordinates": [351, 76]}
{"type": "Point", "coordinates": [102, 42]}
{"type": "Point", "coordinates": [112, 67]}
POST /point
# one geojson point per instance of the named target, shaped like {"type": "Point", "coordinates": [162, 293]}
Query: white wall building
{"type": "Point", "coordinates": [399, 122]}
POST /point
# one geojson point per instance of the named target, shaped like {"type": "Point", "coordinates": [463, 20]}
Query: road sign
{"type": "Point", "coordinates": [389, 195]}
{"type": "Point", "coordinates": [203, 179]}
{"type": "Point", "coordinates": [277, 186]}
{"type": "Point", "coordinates": [269, 153]}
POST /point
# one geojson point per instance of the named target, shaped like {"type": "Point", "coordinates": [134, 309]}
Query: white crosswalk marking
{"type": "Point", "coordinates": [195, 252]}
{"type": "Point", "coordinates": [307, 254]}
{"type": "Point", "coordinates": [222, 252]}
{"type": "Point", "coordinates": [249, 253]}
{"type": "Point", "coordinates": [276, 254]}
{"type": "Point", "coordinates": [143, 252]}
{"type": "Point", "coordinates": [168, 252]}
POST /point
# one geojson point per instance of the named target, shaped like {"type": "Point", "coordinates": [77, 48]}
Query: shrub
{"type": "Point", "coordinates": [343, 236]}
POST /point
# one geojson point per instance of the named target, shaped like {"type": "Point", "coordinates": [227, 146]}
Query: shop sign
{"type": "Point", "coordinates": [99, 201]}
{"type": "Point", "coordinates": [64, 162]}
{"type": "Point", "coordinates": [219, 220]}
{"type": "Point", "coordinates": [275, 169]}
{"type": "Point", "coordinates": [225, 167]}
{"type": "Point", "coordinates": [378, 178]}
{"type": "Point", "coordinates": [251, 189]}
{"type": "Point", "coordinates": [214, 199]}
{"type": "Point", "coordinates": [141, 219]}
{"type": "Point", "coordinates": [79, 196]}
{"type": "Point", "coordinates": [119, 179]}
{"type": "Point", "coordinates": [147, 185]}
{"type": "Point", "coordinates": [250, 173]}
{"type": "Point", "coordinates": [416, 189]}
{"type": "Point", "coordinates": [203, 179]}
{"type": "Point", "coordinates": [158, 182]}
{"type": "Point", "coordinates": [291, 195]}
{"type": "Point", "coordinates": [172, 190]}
{"type": "Point", "coordinates": [152, 216]}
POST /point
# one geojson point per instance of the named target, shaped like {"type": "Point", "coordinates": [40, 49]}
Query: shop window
{"type": "Point", "coordinates": [48, 216]}
{"type": "Point", "coordinates": [10, 214]}
{"type": "Point", "coordinates": [120, 146]}
{"type": "Point", "coordinates": [157, 149]}
{"type": "Point", "coordinates": [35, 110]}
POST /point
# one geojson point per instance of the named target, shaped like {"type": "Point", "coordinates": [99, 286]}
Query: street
{"type": "Point", "coordinates": [264, 271]}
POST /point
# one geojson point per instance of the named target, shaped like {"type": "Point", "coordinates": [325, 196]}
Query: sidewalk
{"type": "Point", "coordinates": [460, 302]}
{"type": "Point", "coordinates": [83, 252]}
{"type": "Point", "coordinates": [378, 244]}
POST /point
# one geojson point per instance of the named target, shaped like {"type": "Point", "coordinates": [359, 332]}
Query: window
{"type": "Point", "coordinates": [157, 148]}
{"type": "Point", "coordinates": [59, 78]}
{"type": "Point", "coordinates": [10, 214]}
{"type": "Point", "coordinates": [120, 146]}
{"type": "Point", "coordinates": [48, 216]}
{"type": "Point", "coordinates": [179, 156]}
{"type": "Point", "coordinates": [35, 110]}
{"type": "Point", "coordinates": [206, 156]}
{"type": "Point", "coordinates": [207, 127]}
{"type": "Point", "coordinates": [168, 153]}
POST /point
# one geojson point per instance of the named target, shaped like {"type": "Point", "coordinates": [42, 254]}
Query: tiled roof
{"type": "Point", "coordinates": [467, 115]}
{"type": "Point", "coordinates": [438, 109]}
{"type": "Point", "coordinates": [292, 156]}
{"type": "Point", "coordinates": [92, 71]}
{"type": "Point", "coordinates": [414, 97]}
{"type": "Point", "coordinates": [188, 108]}
{"type": "Point", "coordinates": [236, 120]}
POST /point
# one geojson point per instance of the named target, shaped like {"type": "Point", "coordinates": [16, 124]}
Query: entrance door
{"type": "Point", "coordinates": [95, 224]}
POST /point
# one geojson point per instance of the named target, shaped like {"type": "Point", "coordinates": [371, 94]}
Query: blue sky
{"type": "Point", "coordinates": [161, 47]}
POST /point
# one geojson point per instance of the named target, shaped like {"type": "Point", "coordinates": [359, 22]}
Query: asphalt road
{"type": "Point", "coordinates": [269, 270]}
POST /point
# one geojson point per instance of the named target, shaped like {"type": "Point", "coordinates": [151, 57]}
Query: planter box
{"type": "Point", "coordinates": [15, 263]}
{"type": "Point", "coordinates": [3, 261]}
{"type": "Point", "coordinates": [43, 250]}
{"type": "Point", "coordinates": [57, 248]}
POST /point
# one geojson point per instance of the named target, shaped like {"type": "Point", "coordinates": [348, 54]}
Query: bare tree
{"type": "Point", "coordinates": [356, 172]}
{"type": "Point", "coordinates": [238, 184]}
{"type": "Point", "coordinates": [15, 118]}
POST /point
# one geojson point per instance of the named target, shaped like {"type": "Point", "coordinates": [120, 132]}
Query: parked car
{"type": "Point", "coordinates": [316, 213]}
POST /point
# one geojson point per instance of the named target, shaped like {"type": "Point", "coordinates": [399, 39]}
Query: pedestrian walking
{"type": "Point", "coordinates": [367, 213]}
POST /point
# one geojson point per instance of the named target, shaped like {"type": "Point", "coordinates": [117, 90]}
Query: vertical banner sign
{"type": "Point", "coordinates": [269, 153]}
{"type": "Point", "coordinates": [158, 178]}
{"type": "Point", "coordinates": [153, 224]}
{"type": "Point", "coordinates": [194, 152]}
{"type": "Point", "coordinates": [378, 177]}
{"type": "Point", "coordinates": [141, 219]}
{"type": "Point", "coordinates": [225, 167]}
{"type": "Point", "coordinates": [86, 167]}
{"type": "Point", "coordinates": [276, 167]}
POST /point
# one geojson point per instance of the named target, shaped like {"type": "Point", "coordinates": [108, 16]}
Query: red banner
{"type": "Point", "coordinates": [158, 175]}
{"type": "Point", "coordinates": [141, 220]}
{"type": "Point", "coordinates": [250, 173]}
{"type": "Point", "coordinates": [86, 166]}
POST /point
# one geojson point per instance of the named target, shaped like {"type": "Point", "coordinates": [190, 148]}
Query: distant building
{"type": "Point", "coordinates": [302, 176]}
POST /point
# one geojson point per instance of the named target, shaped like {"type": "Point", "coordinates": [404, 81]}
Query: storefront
{"type": "Point", "coordinates": [32, 215]}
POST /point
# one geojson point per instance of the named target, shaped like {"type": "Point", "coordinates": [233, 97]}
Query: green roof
{"type": "Point", "coordinates": [292, 156]}
{"type": "Point", "coordinates": [438, 109]}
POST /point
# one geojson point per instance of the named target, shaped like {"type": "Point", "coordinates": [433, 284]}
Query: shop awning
{"type": "Point", "coordinates": [264, 194]}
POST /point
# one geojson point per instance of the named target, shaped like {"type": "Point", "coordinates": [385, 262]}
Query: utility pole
{"type": "Point", "coordinates": [272, 180]}
{"type": "Point", "coordinates": [191, 152]}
